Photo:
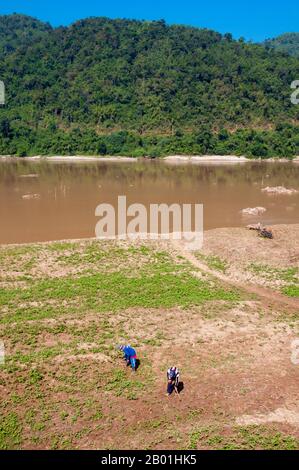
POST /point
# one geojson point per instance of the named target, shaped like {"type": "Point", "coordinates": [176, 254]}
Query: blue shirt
{"type": "Point", "coordinates": [129, 351]}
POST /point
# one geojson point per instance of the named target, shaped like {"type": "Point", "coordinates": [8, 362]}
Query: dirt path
{"type": "Point", "coordinates": [267, 296]}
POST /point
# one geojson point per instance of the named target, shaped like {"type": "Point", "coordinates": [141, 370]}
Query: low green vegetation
{"type": "Point", "coordinates": [158, 282]}
{"type": "Point", "coordinates": [271, 273]}
{"type": "Point", "coordinates": [104, 293]}
{"type": "Point", "coordinates": [122, 386]}
{"type": "Point", "coordinates": [10, 431]}
{"type": "Point", "coordinates": [288, 278]}
{"type": "Point", "coordinates": [65, 384]}
{"type": "Point", "coordinates": [62, 315]}
{"type": "Point", "coordinates": [291, 291]}
{"type": "Point", "coordinates": [241, 438]}
{"type": "Point", "coordinates": [214, 262]}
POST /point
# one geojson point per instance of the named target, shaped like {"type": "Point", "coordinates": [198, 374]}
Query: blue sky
{"type": "Point", "coordinates": [255, 20]}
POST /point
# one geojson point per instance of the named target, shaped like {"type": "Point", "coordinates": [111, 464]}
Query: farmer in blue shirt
{"type": "Point", "coordinates": [130, 355]}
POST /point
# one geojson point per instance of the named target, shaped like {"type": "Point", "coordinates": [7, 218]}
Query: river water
{"type": "Point", "coordinates": [42, 201]}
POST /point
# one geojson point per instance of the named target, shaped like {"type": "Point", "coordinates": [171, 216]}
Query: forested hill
{"type": "Point", "coordinates": [18, 30]}
{"type": "Point", "coordinates": [120, 86]}
{"type": "Point", "coordinates": [287, 43]}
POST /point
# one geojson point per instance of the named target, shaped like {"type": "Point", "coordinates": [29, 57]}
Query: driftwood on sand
{"type": "Point", "coordinates": [264, 232]}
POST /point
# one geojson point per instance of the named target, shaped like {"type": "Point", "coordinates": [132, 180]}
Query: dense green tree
{"type": "Point", "coordinates": [142, 88]}
{"type": "Point", "coordinates": [287, 43]}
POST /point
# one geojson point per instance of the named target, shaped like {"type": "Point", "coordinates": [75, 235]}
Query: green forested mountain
{"type": "Point", "coordinates": [132, 87]}
{"type": "Point", "coordinates": [287, 43]}
{"type": "Point", "coordinates": [16, 30]}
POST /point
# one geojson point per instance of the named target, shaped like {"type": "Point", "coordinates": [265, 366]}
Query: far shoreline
{"type": "Point", "coordinates": [172, 159]}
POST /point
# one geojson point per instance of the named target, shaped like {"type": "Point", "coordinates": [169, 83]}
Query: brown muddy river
{"type": "Point", "coordinates": [52, 201]}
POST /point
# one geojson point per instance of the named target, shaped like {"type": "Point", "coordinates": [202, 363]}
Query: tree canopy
{"type": "Point", "coordinates": [287, 43]}
{"type": "Point", "coordinates": [126, 86]}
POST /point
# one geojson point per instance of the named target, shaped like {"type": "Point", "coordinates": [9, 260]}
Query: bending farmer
{"type": "Point", "coordinates": [130, 355]}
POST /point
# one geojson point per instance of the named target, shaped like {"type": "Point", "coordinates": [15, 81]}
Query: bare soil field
{"type": "Point", "coordinates": [65, 306]}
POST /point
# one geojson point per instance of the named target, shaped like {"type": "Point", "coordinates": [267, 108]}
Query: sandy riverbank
{"type": "Point", "coordinates": [181, 159]}
{"type": "Point", "coordinates": [70, 158]}
{"type": "Point", "coordinates": [205, 159]}
{"type": "Point", "coordinates": [221, 159]}
{"type": "Point", "coordinates": [244, 257]}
